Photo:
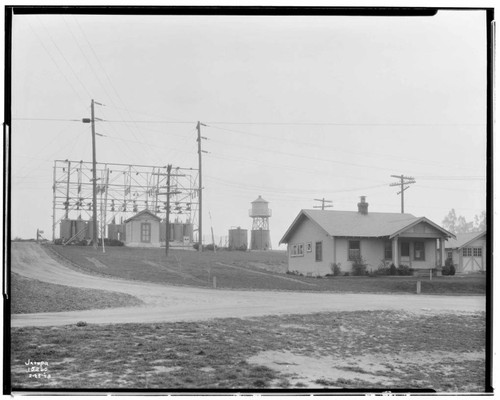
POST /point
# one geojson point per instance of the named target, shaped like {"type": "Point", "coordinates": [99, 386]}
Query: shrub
{"type": "Point", "coordinates": [113, 242]}
{"type": "Point", "coordinates": [449, 268]}
{"type": "Point", "coordinates": [359, 267]}
{"type": "Point", "coordinates": [393, 270]}
{"type": "Point", "coordinates": [58, 241]}
{"type": "Point", "coordinates": [382, 271]}
{"type": "Point", "coordinates": [404, 270]}
{"type": "Point", "coordinates": [196, 246]}
{"type": "Point", "coordinates": [346, 274]}
{"type": "Point", "coordinates": [383, 268]}
{"type": "Point", "coordinates": [335, 267]}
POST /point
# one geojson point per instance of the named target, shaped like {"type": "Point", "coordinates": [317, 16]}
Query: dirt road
{"type": "Point", "coordinates": [174, 303]}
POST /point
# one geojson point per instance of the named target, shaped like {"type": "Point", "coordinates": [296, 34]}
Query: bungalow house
{"type": "Point", "coordinates": [142, 230]}
{"type": "Point", "coordinates": [319, 238]}
{"type": "Point", "coordinates": [468, 252]}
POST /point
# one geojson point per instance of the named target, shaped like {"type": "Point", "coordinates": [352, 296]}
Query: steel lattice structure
{"type": "Point", "coordinates": [122, 191]}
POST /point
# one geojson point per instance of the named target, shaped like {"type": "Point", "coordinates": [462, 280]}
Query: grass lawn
{"type": "Point", "coordinates": [244, 270]}
{"type": "Point", "coordinates": [33, 296]}
{"type": "Point", "coordinates": [368, 350]}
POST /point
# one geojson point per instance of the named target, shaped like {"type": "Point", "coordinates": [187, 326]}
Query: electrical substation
{"type": "Point", "coordinates": [123, 191]}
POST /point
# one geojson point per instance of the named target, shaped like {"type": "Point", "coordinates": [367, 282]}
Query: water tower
{"type": "Point", "coordinates": [260, 238]}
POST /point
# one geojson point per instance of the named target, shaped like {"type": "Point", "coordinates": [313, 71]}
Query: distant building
{"type": "Point", "coordinates": [143, 230]}
{"type": "Point", "coordinates": [468, 252]}
{"type": "Point", "coordinates": [319, 238]}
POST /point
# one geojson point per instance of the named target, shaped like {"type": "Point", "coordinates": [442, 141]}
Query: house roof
{"type": "Point", "coordinates": [354, 224]}
{"type": "Point", "coordinates": [146, 211]}
{"type": "Point", "coordinates": [463, 239]}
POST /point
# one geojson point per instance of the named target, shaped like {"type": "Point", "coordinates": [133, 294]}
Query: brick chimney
{"type": "Point", "coordinates": [363, 206]}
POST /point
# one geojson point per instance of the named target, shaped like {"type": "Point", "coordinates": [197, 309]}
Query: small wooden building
{"type": "Point", "coordinates": [468, 252]}
{"type": "Point", "coordinates": [143, 230]}
{"type": "Point", "coordinates": [317, 239]}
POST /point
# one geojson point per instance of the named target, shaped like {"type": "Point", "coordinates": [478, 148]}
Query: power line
{"type": "Point", "coordinates": [295, 155]}
{"type": "Point", "coordinates": [150, 121]}
{"type": "Point", "coordinates": [54, 61]}
{"type": "Point", "coordinates": [64, 58]}
{"type": "Point", "coordinates": [336, 148]}
{"type": "Point", "coordinates": [342, 124]}
{"type": "Point", "coordinates": [47, 119]}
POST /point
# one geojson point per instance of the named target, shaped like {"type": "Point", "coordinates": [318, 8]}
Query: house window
{"type": "Point", "coordinates": [309, 247]}
{"type": "Point", "coordinates": [477, 251]}
{"type": "Point", "coordinates": [297, 250]}
{"type": "Point", "coordinates": [146, 232]}
{"type": "Point", "coordinates": [405, 249]}
{"type": "Point", "coordinates": [419, 251]}
{"type": "Point", "coordinates": [467, 252]}
{"type": "Point", "coordinates": [319, 251]}
{"type": "Point", "coordinates": [450, 255]}
{"type": "Point", "coordinates": [354, 250]}
{"type": "Point", "coordinates": [388, 251]}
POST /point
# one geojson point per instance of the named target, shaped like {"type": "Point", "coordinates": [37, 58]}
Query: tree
{"type": "Point", "coordinates": [459, 224]}
{"type": "Point", "coordinates": [463, 226]}
{"type": "Point", "coordinates": [450, 221]}
{"type": "Point", "coordinates": [480, 221]}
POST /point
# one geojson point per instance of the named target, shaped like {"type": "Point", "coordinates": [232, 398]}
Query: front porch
{"type": "Point", "coordinates": [419, 253]}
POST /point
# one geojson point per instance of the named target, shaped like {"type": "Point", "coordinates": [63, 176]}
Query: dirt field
{"type": "Point", "coordinates": [175, 303]}
{"type": "Point", "coordinates": [385, 350]}
{"type": "Point", "coordinates": [198, 338]}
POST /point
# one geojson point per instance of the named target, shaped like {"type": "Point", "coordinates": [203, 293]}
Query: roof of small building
{"type": "Point", "coordinates": [355, 224]}
{"type": "Point", "coordinates": [463, 239]}
{"type": "Point", "coordinates": [145, 211]}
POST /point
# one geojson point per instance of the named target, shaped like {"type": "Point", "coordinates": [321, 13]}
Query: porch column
{"type": "Point", "coordinates": [395, 252]}
{"type": "Point", "coordinates": [334, 250]}
{"type": "Point", "coordinates": [442, 248]}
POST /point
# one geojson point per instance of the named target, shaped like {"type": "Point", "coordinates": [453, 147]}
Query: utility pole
{"type": "Point", "coordinates": [91, 120]}
{"type": "Point", "coordinates": [403, 180]}
{"type": "Point", "coordinates": [323, 201]}
{"type": "Point", "coordinates": [167, 214]}
{"type": "Point", "coordinates": [167, 218]}
{"type": "Point", "coordinates": [200, 186]}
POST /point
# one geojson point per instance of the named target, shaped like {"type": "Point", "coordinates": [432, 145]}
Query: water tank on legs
{"type": "Point", "coordinates": [261, 236]}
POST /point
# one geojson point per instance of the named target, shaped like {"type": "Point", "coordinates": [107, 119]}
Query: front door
{"type": "Point", "coordinates": [405, 253]}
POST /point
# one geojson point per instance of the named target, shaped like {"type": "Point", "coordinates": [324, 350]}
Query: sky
{"type": "Point", "coordinates": [294, 109]}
